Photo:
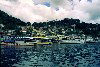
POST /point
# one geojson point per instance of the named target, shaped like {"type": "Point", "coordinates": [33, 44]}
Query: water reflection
{"type": "Point", "coordinates": [63, 55]}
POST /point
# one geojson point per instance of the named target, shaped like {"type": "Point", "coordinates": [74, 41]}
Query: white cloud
{"type": "Point", "coordinates": [26, 10]}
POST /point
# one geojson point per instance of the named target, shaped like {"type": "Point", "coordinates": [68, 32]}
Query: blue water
{"type": "Point", "coordinates": [57, 55]}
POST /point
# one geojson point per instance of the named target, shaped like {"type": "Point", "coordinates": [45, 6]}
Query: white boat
{"type": "Point", "coordinates": [28, 42]}
{"type": "Point", "coordinates": [34, 40]}
{"type": "Point", "coordinates": [22, 43]}
{"type": "Point", "coordinates": [72, 41]}
{"type": "Point", "coordinates": [91, 40]}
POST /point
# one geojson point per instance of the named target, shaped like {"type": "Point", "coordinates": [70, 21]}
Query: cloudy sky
{"type": "Point", "coordinates": [43, 10]}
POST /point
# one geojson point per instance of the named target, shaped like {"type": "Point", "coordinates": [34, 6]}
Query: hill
{"type": "Point", "coordinates": [69, 26]}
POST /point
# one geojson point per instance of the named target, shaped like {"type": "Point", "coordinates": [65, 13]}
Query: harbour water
{"type": "Point", "coordinates": [57, 55]}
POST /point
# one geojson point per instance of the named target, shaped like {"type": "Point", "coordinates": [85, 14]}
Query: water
{"type": "Point", "coordinates": [57, 55]}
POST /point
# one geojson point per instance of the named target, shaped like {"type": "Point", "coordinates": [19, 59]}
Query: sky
{"type": "Point", "coordinates": [47, 10]}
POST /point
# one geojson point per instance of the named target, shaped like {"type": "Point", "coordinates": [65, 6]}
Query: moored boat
{"type": "Point", "coordinates": [72, 41]}
{"type": "Point", "coordinates": [45, 41]}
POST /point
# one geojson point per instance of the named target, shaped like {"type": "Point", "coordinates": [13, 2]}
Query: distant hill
{"type": "Point", "coordinates": [85, 28]}
{"type": "Point", "coordinates": [10, 22]}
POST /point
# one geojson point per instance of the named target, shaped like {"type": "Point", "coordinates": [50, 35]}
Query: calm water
{"type": "Point", "coordinates": [57, 55]}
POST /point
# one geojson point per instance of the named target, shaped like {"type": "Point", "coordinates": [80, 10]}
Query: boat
{"type": "Point", "coordinates": [45, 41]}
{"type": "Point", "coordinates": [34, 41]}
{"type": "Point", "coordinates": [72, 41]}
{"type": "Point", "coordinates": [29, 41]}
{"type": "Point", "coordinates": [91, 40]}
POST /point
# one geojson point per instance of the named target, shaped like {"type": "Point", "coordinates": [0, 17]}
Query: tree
{"type": "Point", "coordinates": [28, 24]}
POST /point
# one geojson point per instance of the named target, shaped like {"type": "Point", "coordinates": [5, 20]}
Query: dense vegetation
{"type": "Point", "coordinates": [10, 22]}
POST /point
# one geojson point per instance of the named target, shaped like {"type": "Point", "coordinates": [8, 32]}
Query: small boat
{"type": "Point", "coordinates": [90, 40]}
{"type": "Point", "coordinates": [34, 41]}
{"type": "Point", "coordinates": [28, 42]}
{"type": "Point", "coordinates": [45, 41]}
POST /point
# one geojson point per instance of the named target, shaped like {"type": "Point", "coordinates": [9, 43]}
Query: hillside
{"type": "Point", "coordinates": [12, 23]}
